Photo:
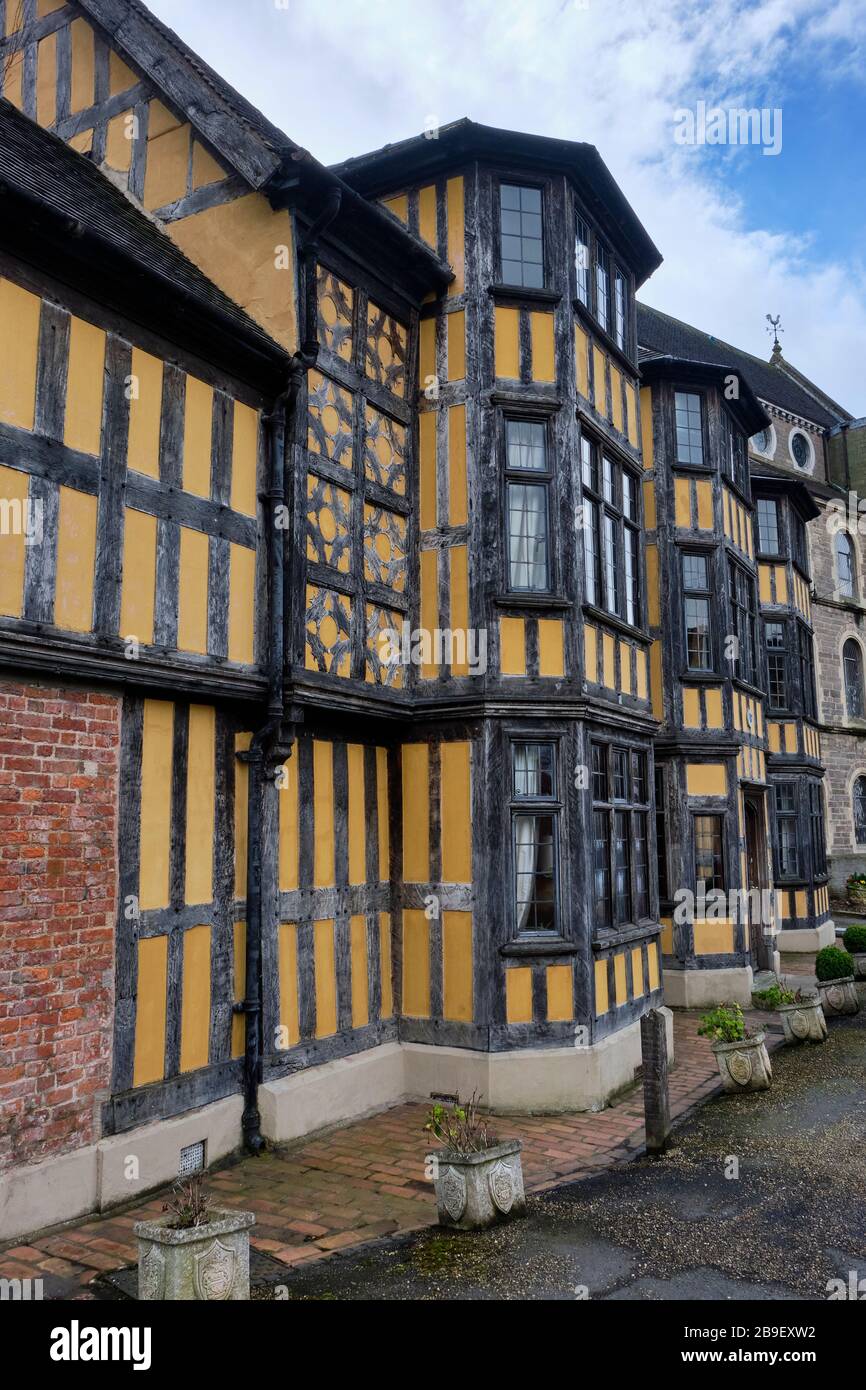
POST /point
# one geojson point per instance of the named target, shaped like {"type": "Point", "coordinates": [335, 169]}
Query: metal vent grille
{"type": "Point", "coordinates": [191, 1159]}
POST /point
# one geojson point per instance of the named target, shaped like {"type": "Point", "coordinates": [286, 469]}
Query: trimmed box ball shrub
{"type": "Point", "coordinates": [855, 940]}
{"type": "Point", "coordinates": [836, 986]}
{"type": "Point", "coordinates": [833, 964]}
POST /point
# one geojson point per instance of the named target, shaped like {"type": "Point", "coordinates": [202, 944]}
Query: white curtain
{"type": "Point", "coordinates": [528, 536]}
{"type": "Point", "coordinates": [526, 774]}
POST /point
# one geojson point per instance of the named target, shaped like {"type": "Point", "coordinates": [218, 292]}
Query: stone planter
{"type": "Point", "coordinates": [857, 898]}
{"type": "Point", "coordinates": [803, 1022]}
{"type": "Point", "coordinates": [208, 1264]}
{"type": "Point", "coordinates": [744, 1065]}
{"type": "Point", "coordinates": [839, 996]}
{"type": "Point", "coordinates": [477, 1190]}
{"type": "Point", "coordinates": [860, 967]}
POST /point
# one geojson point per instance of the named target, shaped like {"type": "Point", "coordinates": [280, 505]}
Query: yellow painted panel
{"type": "Point", "coordinates": [608, 664]}
{"type": "Point", "coordinates": [43, 7]}
{"type": "Point", "coordinates": [631, 414]}
{"type": "Point", "coordinates": [713, 938]}
{"type": "Point", "coordinates": [120, 77]}
{"type": "Point", "coordinates": [652, 585]}
{"type": "Point", "coordinates": [781, 584]}
{"type": "Point", "coordinates": [244, 456]}
{"type": "Point", "coordinates": [149, 1059]}
{"type": "Point", "coordinates": [385, 964]}
{"type": "Point", "coordinates": [682, 502]}
{"type": "Point", "coordinates": [691, 707]}
{"type": "Point", "coordinates": [287, 951]}
{"type": "Point", "coordinates": [427, 468]}
{"type": "Point", "coordinates": [198, 417]}
{"type": "Point", "coordinates": [646, 426]}
{"type": "Point", "coordinates": [399, 206]}
{"type": "Point", "coordinates": [323, 813]}
{"type": "Point", "coordinates": [706, 779]}
{"type": "Point", "coordinates": [288, 813]}
{"type": "Point", "coordinates": [195, 1004]}
{"type": "Point", "coordinates": [551, 650]}
{"type": "Point", "coordinates": [625, 668]}
{"type": "Point", "coordinates": [456, 345]}
{"type": "Point", "coordinates": [356, 815]}
{"type": "Point", "coordinates": [543, 357]}
{"type": "Point", "coordinates": [360, 986]}
{"type": "Point", "coordinates": [790, 737]}
{"type": "Point", "coordinates": [581, 361]}
{"type": "Point", "coordinates": [118, 145]}
{"type": "Point", "coordinates": [429, 608]}
{"type": "Point", "coordinates": [518, 994]}
{"type": "Point", "coordinates": [427, 215]}
{"type": "Point", "coordinates": [82, 87]}
{"type": "Point", "coordinates": [738, 710]}
{"type": "Point", "coordinates": [192, 600]}
{"type": "Point", "coordinates": [156, 766]}
{"type": "Point", "coordinates": [46, 80]}
{"type": "Point", "coordinates": [200, 804]}
{"type": "Point", "coordinates": [242, 776]}
{"type": "Point", "coordinates": [416, 964]}
{"type": "Point", "coordinates": [14, 491]}
{"type": "Point", "coordinates": [764, 588]}
{"type": "Point", "coordinates": [457, 966]}
{"type": "Point", "coordinates": [560, 1007]}
{"type": "Point", "coordinates": [705, 504]}
{"type": "Point", "coordinates": [637, 971]}
{"type": "Point", "coordinates": [620, 984]}
{"type": "Point", "coordinates": [773, 731]}
{"type": "Point", "coordinates": [326, 978]}
{"type": "Point", "coordinates": [649, 506]}
{"type": "Point", "coordinates": [76, 557]}
{"type": "Point", "coordinates": [512, 645]}
{"type": "Point", "coordinates": [454, 199]}
{"type": "Point", "coordinates": [259, 273]}
{"type": "Point", "coordinates": [506, 342]}
{"type": "Point", "coordinates": [616, 397]}
{"type": "Point", "coordinates": [145, 410]}
{"type": "Point", "coordinates": [713, 699]}
{"type": "Point", "coordinates": [456, 813]}
{"type": "Point", "coordinates": [139, 576]}
{"type": "Point", "coordinates": [242, 603]}
{"type": "Point", "coordinates": [205, 169]}
{"type": "Point", "coordinates": [599, 364]}
{"type": "Point", "coordinates": [83, 425]}
{"type": "Point", "coordinates": [457, 482]}
{"type": "Point", "coordinates": [640, 664]}
{"type": "Point", "coordinates": [160, 120]}
{"type": "Point", "coordinates": [382, 814]}
{"type": "Point", "coordinates": [652, 957]}
{"type": "Point", "coordinates": [416, 813]}
{"type": "Point", "coordinates": [602, 1003]}
{"type": "Point", "coordinates": [166, 176]}
{"type": "Point", "coordinates": [458, 564]}
{"type": "Point", "coordinates": [239, 984]}
{"type": "Point", "coordinates": [667, 937]}
{"type": "Point", "coordinates": [590, 648]}
{"type": "Point", "coordinates": [426, 353]}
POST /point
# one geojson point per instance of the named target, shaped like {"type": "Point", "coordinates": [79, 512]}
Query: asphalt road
{"type": "Point", "coordinates": [759, 1197]}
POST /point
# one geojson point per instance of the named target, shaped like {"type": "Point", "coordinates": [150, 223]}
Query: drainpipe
{"type": "Point", "coordinates": [271, 745]}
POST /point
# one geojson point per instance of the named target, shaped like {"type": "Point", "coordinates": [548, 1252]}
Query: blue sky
{"type": "Point", "coordinates": [742, 233]}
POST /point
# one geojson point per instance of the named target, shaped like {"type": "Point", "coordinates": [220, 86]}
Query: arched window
{"type": "Point", "coordinates": [852, 666]}
{"type": "Point", "coordinates": [860, 810]}
{"type": "Point", "coordinates": [845, 564]}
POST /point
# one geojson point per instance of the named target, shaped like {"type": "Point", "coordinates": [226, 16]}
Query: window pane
{"type": "Point", "coordinates": [601, 867]}
{"type": "Point", "coordinates": [599, 772]}
{"type": "Point", "coordinates": [589, 464]}
{"type": "Point", "coordinates": [621, 876]}
{"type": "Point", "coordinates": [661, 834]}
{"type": "Point", "coordinates": [768, 526]}
{"type": "Point", "coordinates": [640, 785]}
{"type": "Point", "coordinates": [620, 305]}
{"type": "Point", "coordinates": [695, 572]}
{"type": "Point", "coordinates": [777, 683]}
{"type": "Point", "coordinates": [641, 865]}
{"type": "Point", "coordinates": [708, 852]}
{"type": "Point", "coordinates": [535, 872]}
{"type": "Point", "coordinates": [845, 565]}
{"type": "Point", "coordinates": [611, 597]}
{"type": "Point", "coordinates": [632, 605]}
{"type": "Point", "coordinates": [853, 668]}
{"type": "Point", "coordinates": [608, 470]}
{"type": "Point", "coordinates": [860, 810]}
{"type": "Point", "coordinates": [591, 551]}
{"type": "Point", "coordinates": [526, 442]}
{"type": "Point", "coordinates": [620, 774]}
{"type": "Point", "coordinates": [527, 537]}
{"type": "Point", "coordinates": [690, 441]}
{"type": "Point", "coordinates": [521, 238]}
{"type": "Point", "coordinates": [532, 769]}
{"type": "Point", "coordinates": [581, 260]}
{"type": "Point", "coordinates": [602, 287]}
{"type": "Point", "coordinates": [629, 495]}
{"type": "Point", "coordinates": [697, 618]}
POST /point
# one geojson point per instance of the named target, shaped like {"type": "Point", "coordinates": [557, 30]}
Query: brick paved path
{"type": "Point", "coordinates": [366, 1180]}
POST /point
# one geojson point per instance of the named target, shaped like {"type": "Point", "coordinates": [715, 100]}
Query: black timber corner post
{"type": "Point", "coordinates": [656, 1097]}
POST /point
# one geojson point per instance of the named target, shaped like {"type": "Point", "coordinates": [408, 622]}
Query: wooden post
{"type": "Point", "coordinates": [656, 1101]}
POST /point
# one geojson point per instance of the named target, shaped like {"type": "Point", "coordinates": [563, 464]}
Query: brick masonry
{"type": "Point", "coordinates": [59, 769]}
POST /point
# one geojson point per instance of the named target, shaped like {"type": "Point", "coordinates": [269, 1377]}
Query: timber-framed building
{"type": "Point", "coordinates": [367, 699]}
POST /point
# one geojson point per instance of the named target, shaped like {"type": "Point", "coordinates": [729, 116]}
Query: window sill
{"type": "Point", "coordinates": [623, 935]}
{"type": "Point", "coordinates": [508, 294]}
{"type": "Point", "coordinates": [601, 615]}
{"type": "Point", "coordinates": [557, 602]}
{"type": "Point", "coordinates": [539, 946]}
{"type": "Point", "coordinates": [605, 338]}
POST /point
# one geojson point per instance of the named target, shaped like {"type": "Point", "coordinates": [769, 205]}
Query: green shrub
{"type": "Point", "coordinates": [856, 881]}
{"type": "Point", "coordinates": [724, 1024]}
{"type": "Point", "coordinates": [774, 996]}
{"type": "Point", "coordinates": [855, 940]}
{"type": "Point", "coordinates": [833, 964]}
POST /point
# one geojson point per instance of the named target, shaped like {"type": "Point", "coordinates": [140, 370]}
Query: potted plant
{"type": "Point", "coordinates": [801, 1014]}
{"type": "Point", "coordinates": [742, 1057]}
{"type": "Point", "coordinates": [856, 887]}
{"type": "Point", "coordinates": [478, 1179]}
{"type": "Point", "coordinates": [854, 941]}
{"type": "Point", "coordinates": [835, 972]}
{"type": "Point", "coordinates": [196, 1252]}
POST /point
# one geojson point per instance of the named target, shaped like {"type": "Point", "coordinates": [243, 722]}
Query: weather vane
{"type": "Point", "coordinates": [775, 329]}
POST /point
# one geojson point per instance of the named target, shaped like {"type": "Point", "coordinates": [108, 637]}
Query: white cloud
{"type": "Point", "coordinates": [347, 76]}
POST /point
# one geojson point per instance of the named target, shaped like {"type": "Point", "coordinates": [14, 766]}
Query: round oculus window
{"type": "Point", "coordinates": [762, 442]}
{"type": "Point", "coordinates": [801, 449]}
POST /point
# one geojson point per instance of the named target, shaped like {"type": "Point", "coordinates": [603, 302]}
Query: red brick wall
{"type": "Point", "coordinates": [59, 757]}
